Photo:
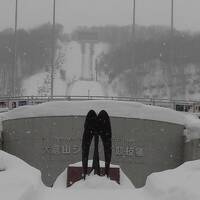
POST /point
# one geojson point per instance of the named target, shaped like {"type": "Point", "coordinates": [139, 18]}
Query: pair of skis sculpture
{"type": "Point", "coordinates": [95, 127]}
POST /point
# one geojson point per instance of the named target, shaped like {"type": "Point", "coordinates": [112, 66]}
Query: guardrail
{"type": "Point", "coordinates": [12, 102]}
{"type": "Point", "coordinates": [92, 98]}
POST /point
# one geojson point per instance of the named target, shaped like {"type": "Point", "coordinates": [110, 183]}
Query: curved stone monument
{"type": "Point", "coordinates": [145, 139]}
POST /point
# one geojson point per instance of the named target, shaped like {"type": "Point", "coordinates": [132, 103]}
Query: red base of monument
{"type": "Point", "coordinates": [74, 174]}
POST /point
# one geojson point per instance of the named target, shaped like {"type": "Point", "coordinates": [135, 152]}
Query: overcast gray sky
{"type": "Point", "coordinates": [72, 13]}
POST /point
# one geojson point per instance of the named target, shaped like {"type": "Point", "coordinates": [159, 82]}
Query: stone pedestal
{"type": "Point", "coordinates": [74, 174]}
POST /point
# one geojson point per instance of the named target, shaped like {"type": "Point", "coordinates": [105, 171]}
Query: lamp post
{"type": "Point", "coordinates": [172, 31]}
{"type": "Point", "coordinates": [133, 33]}
{"type": "Point", "coordinates": [53, 49]}
{"type": "Point", "coordinates": [171, 50]}
{"type": "Point", "coordinates": [172, 17]}
{"type": "Point", "coordinates": [133, 26]}
{"type": "Point", "coordinates": [14, 70]}
{"type": "Point", "coordinates": [172, 35]}
{"type": "Point", "coordinates": [133, 42]}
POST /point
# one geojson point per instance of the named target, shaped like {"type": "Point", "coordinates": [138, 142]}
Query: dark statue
{"type": "Point", "coordinates": [95, 127]}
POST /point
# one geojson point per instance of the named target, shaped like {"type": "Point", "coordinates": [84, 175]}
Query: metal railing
{"type": "Point", "coordinates": [31, 100]}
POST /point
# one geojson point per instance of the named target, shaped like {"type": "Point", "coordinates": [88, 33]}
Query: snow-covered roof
{"type": "Point", "coordinates": [114, 109]}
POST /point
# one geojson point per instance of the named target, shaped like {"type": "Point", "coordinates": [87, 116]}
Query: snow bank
{"type": "Point", "coordinates": [114, 109]}
{"type": "Point", "coordinates": [96, 182]}
{"type": "Point", "coordinates": [93, 181]}
{"type": "Point", "coordinates": [181, 183]}
{"type": "Point", "coordinates": [18, 180]}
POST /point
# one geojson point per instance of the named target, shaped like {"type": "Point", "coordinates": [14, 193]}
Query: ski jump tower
{"type": "Point", "coordinates": [87, 41]}
{"type": "Point", "coordinates": [87, 85]}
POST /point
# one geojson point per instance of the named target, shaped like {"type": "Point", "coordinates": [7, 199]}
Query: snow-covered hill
{"type": "Point", "coordinates": [86, 88]}
{"type": "Point", "coordinates": [152, 80]}
{"type": "Point", "coordinates": [67, 73]}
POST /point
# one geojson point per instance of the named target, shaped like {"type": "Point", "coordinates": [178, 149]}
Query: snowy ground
{"type": "Point", "coordinates": [92, 181]}
{"type": "Point", "coordinates": [39, 84]}
{"type": "Point", "coordinates": [19, 181]}
{"type": "Point", "coordinates": [86, 88]}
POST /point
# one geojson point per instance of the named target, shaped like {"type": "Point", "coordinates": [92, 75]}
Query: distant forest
{"type": "Point", "coordinates": [33, 47]}
{"type": "Point", "coordinates": [151, 43]}
{"type": "Point", "coordinates": [154, 42]}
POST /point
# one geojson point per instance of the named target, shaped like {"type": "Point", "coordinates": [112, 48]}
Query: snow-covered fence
{"type": "Point", "coordinates": [13, 102]}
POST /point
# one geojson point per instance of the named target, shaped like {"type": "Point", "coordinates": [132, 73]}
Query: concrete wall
{"type": "Point", "coordinates": [1, 144]}
{"type": "Point", "coordinates": [192, 150]}
{"type": "Point", "coordinates": [50, 144]}
{"type": "Point", "coordinates": [1, 139]}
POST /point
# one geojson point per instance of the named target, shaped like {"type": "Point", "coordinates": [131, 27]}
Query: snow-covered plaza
{"type": "Point", "coordinates": [19, 181]}
{"type": "Point", "coordinates": [179, 181]}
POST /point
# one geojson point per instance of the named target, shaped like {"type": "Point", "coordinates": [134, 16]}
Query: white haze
{"type": "Point", "coordinates": [72, 13]}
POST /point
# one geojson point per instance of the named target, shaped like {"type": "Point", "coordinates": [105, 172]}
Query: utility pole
{"type": "Point", "coordinates": [171, 53]}
{"type": "Point", "coordinates": [14, 70]}
{"type": "Point", "coordinates": [172, 29]}
{"type": "Point", "coordinates": [53, 48]}
{"type": "Point", "coordinates": [134, 85]}
{"type": "Point", "coordinates": [171, 49]}
{"type": "Point", "coordinates": [133, 33]}
{"type": "Point", "coordinates": [172, 16]}
{"type": "Point", "coordinates": [172, 23]}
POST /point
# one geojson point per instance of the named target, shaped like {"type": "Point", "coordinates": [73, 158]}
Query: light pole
{"type": "Point", "coordinates": [133, 42]}
{"type": "Point", "coordinates": [172, 26]}
{"type": "Point", "coordinates": [133, 26]}
{"type": "Point", "coordinates": [172, 30]}
{"type": "Point", "coordinates": [53, 48]}
{"type": "Point", "coordinates": [171, 49]}
{"type": "Point", "coordinates": [172, 35]}
{"type": "Point", "coordinates": [133, 33]}
{"type": "Point", "coordinates": [172, 17]}
{"type": "Point", "coordinates": [14, 70]}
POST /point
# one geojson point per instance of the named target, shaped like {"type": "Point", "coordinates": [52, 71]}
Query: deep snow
{"type": "Point", "coordinates": [114, 109]}
{"type": "Point", "coordinates": [94, 181]}
{"type": "Point", "coordinates": [19, 181]}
